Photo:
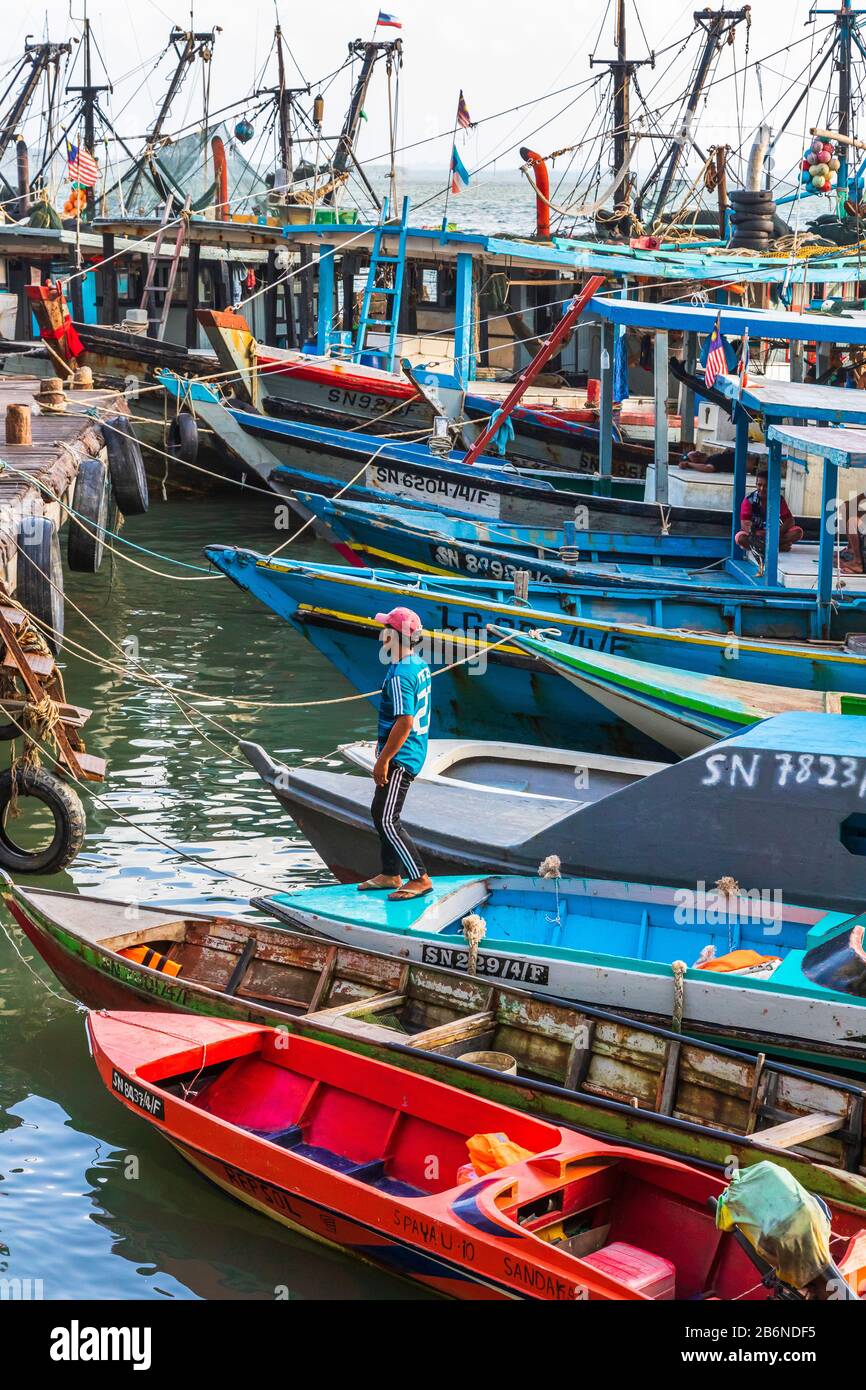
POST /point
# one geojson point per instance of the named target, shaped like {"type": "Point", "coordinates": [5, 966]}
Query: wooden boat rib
{"type": "Point", "coordinates": [611, 1076]}
{"type": "Point", "coordinates": [368, 1158]}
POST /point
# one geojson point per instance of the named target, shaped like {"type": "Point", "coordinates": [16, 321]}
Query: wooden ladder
{"type": "Point", "coordinates": [158, 318]}
{"type": "Point", "coordinates": [33, 668]}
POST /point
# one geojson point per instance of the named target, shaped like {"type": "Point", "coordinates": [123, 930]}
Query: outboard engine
{"type": "Point", "coordinates": [786, 1232]}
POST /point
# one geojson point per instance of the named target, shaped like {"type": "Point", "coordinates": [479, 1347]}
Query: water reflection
{"type": "Point", "coordinates": [69, 1214]}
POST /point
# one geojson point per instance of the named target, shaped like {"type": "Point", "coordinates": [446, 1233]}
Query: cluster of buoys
{"type": "Point", "coordinates": [820, 167]}
{"type": "Point", "coordinates": [76, 202]}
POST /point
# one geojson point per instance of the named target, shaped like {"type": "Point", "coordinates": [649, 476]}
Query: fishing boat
{"type": "Point", "coordinates": [434, 542]}
{"type": "Point", "coordinates": [304, 456]}
{"type": "Point", "coordinates": [470, 1199]}
{"type": "Point", "coordinates": [682, 710]}
{"type": "Point", "coordinates": [783, 979]}
{"type": "Point", "coordinates": [511, 799]}
{"type": "Point", "coordinates": [616, 1077]}
{"type": "Point", "coordinates": [503, 769]}
{"type": "Point", "coordinates": [800, 593]}
{"type": "Point", "coordinates": [337, 393]}
{"type": "Point", "coordinates": [742, 809]}
{"type": "Point", "coordinates": [334, 608]}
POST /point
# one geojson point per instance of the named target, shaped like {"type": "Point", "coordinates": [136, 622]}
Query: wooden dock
{"type": "Point", "coordinates": [61, 441]}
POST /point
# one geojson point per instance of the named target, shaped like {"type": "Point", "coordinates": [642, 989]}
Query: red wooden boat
{"type": "Point", "coordinates": [366, 1157]}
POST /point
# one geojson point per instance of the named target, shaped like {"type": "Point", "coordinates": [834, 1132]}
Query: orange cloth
{"type": "Point", "coordinates": [737, 960]}
{"type": "Point", "coordinates": [490, 1152]}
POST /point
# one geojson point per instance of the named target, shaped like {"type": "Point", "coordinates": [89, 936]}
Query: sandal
{"type": "Point", "coordinates": [371, 886]}
{"type": "Point", "coordinates": [405, 895]}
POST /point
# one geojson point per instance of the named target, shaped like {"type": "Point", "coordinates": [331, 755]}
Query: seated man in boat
{"type": "Point", "coordinates": [404, 727]}
{"type": "Point", "coordinates": [753, 520]}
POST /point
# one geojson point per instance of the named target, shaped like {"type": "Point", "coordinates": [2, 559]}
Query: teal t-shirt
{"type": "Point", "coordinates": [407, 691]}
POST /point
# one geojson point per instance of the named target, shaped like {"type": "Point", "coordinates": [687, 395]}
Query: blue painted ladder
{"type": "Point", "coordinates": [392, 293]}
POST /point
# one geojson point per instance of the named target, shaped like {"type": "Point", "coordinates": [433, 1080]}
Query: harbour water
{"type": "Point", "coordinates": [92, 1203]}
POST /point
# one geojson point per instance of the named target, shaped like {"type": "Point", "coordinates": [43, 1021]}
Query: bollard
{"type": "Point", "coordinates": [19, 424]}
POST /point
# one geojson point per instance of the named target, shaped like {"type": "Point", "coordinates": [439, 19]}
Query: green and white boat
{"type": "Point", "coordinates": [685, 711]}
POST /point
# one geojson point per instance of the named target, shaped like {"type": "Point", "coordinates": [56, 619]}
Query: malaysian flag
{"type": "Point", "coordinates": [464, 120]}
{"type": "Point", "coordinates": [83, 168]}
{"type": "Point", "coordinates": [717, 361]}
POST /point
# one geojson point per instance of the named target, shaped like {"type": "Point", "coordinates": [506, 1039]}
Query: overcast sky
{"type": "Point", "coordinates": [501, 52]}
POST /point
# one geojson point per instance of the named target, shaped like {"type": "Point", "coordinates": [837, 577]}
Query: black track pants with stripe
{"type": "Point", "coordinates": [399, 854]}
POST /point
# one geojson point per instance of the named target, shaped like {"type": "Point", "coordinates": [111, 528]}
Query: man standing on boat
{"type": "Point", "coordinates": [752, 534]}
{"type": "Point", "coordinates": [404, 727]}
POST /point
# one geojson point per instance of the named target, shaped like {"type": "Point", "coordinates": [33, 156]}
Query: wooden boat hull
{"type": "Point", "coordinates": [368, 1157]}
{"type": "Point", "coordinates": [786, 1013]}
{"type": "Point", "coordinates": [328, 390]}
{"type": "Point", "coordinates": [714, 1098]}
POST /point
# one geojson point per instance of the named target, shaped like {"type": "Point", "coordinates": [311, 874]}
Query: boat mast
{"type": "Point", "coordinates": [89, 94]}
{"type": "Point", "coordinates": [194, 45]}
{"type": "Point", "coordinates": [39, 56]}
{"type": "Point", "coordinates": [622, 69]}
{"type": "Point", "coordinates": [714, 24]}
{"type": "Point", "coordinates": [284, 98]}
{"type": "Point", "coordinates": [846, 33]}
{"type": "Point", "coordinates": [369, 53]}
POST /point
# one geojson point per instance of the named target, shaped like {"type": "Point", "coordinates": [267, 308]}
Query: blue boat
{"type": "Point", "coordinates": [798, 596]}
{"type": "Point", "coordinates": [724, 965]}
{"type": "Point", "coordinates": [335, 608]}
{"type": "Point", "coordinates": [437, 542]}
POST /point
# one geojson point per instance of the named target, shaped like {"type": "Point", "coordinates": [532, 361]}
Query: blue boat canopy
{"type": "Point", "coordinates": [795, 400]}
{"type": "Point", "coordinates": [847, 327]}
{"type": "Point", "coordinates": [845, 448]}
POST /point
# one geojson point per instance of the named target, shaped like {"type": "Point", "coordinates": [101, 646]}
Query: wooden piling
{"type": "Point", "coordinates": [19, 423]}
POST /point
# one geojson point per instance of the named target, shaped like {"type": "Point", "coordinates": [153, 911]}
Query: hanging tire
{"type": "Point", "coordinates": [182, 438]}
{"type": "Point", "coordinates": [40, 576]}
{"type": "Point", "coordinates": [65, 807]}
{"type": "Point", "coordinates": [85, 545]}
{"type": "Point", "coordinates": [126, 466]}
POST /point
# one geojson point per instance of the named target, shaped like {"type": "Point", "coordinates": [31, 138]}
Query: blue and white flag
{"type": "Point", "coordinates": [459, 173]}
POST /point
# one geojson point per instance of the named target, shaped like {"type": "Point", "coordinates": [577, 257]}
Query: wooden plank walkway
{"type": "Point", "coordinates": [60, 443]}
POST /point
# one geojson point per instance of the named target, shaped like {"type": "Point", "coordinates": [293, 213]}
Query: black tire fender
{"type": "Point", "coordinates": [40, 576]}
{"type": "Point", "coordinates": [69, 821]}
{"type": "Point", "coordinates": [126, 466]}
{"type": "Point", "coordinates": [85, 544]}
{"type": "Point", "coordinates": [749, 197]}
{"type": "Point", "coordinates": [182, 438]}
{"type": "Point", "coordinates": [748, 225]}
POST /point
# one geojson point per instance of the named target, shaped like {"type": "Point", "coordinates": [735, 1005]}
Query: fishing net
{"type": "Point", "coordinates": [185, 167]}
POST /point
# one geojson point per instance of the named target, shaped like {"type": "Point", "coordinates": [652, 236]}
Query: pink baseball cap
{"type": "Point", "coordinates": [402, 620]}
